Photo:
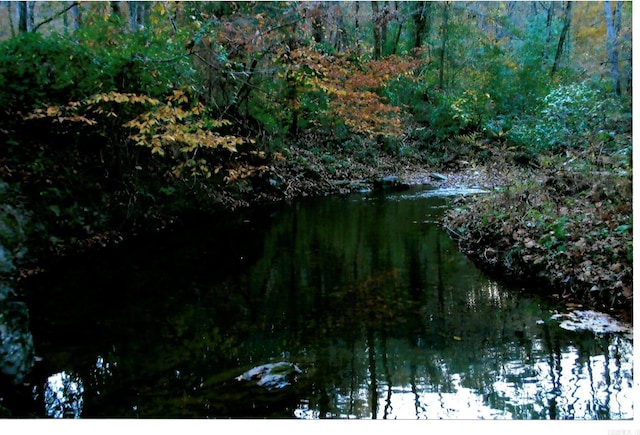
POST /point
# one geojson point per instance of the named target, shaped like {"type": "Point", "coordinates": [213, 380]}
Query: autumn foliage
{"type": "Point", "coordinates": [177, 130]}
{"type": "Point", "coordinates": [354, 90]}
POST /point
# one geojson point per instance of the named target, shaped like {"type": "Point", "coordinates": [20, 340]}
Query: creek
{"type": "Point", "coordinates": [366, 294]}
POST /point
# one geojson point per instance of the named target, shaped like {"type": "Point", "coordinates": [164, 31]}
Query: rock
{"type": "Point", "coordinates": [390, 183]}
{"type": "Point", "coordinates": [439, 177]}
{"type": "Point", "coordinates": [273, 376]}
{"type": "Point", "coordinates": [16, 343]}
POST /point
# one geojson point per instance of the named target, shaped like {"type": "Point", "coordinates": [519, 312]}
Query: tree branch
{"type": "Point", "coordinates": [53, 17]}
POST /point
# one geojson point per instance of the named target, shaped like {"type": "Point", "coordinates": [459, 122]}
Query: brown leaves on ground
{"type": "Point", "coordinates": [571, 231]}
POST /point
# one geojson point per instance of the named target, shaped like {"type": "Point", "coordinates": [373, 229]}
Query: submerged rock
{"type": "Point", "coordinates": [273, 376]}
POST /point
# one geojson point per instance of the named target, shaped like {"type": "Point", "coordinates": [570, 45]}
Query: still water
{"type": "Point", "coordinates": [366, 295]}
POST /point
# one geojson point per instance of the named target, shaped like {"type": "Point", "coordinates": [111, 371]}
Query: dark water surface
{"type": "Point", "coordinates": [368, 296]}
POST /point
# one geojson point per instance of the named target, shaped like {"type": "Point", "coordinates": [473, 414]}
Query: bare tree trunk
{"type": "Point", "coordinates": [24, 17]}
{"type": "Point", "coordinates": [31, 16]}
{"type": "Point", "coordinates": [444, 36]}
{"type": "Point", "coordinates": [76, 17]}
{"type": "Point", "coordinates": [612, 42]}
{"type": "Point", "coordinates": [10, 14]}
{"type": "Point", "coordinates": [384, 19]}
{"type": "Point", "coordinates": [133, 15]}
{"type": "Point", "coordinates": [377, 49]}
{"type": "Point", "coordinates": [115, 8]}
{"type": "Point", "coordinates": [340, 38]}
{"type": "Point", "coordinates": [422, 18]}
{"type": "Point", "coordinates": [420, 21]}
{"type": "Point", "coordinates": [547, 40]}
{"type": "Point", "coordinates": [357, 28]}
{"type": "Point", "coordinates": [563, 36]}
{"type": "Point", "coordinates": [397, 40]}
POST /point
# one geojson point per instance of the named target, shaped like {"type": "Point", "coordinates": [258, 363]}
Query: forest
{"type": "Point", "coordinates": [119, 118]}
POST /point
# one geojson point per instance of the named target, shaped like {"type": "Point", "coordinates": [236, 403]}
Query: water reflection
{"type": "Point", "coordinates": [101, 374]}
{"type": "Point", "coordinates": [373, 302]}
{"type": "Point", "coordinates": [577, 387]}
{"type": "Point", "coordinates": [63, 396]}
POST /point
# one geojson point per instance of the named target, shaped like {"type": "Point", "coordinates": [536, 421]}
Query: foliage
{"type": "Point", "coordinates": [149, 61]}
{"type": "Point", "coordinates": [178, 129]}
{"type": "Point", "coordinates": [34, 69]}
{"type": "Point", "coordinates": [346, 91]}
{"type": "Point", "coordinates": [567, 114]}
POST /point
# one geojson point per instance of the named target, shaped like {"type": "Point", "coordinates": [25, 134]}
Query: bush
{"type": "Point", "coordinates": [35, 70]}
{"type": "Point", "coordinates": [567, 114]}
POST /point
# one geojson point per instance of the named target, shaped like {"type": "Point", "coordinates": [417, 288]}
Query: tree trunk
{"type": "Point", "coordinates": [422, 20]}
{"type": "Point", "coordinates": [133, 15]}
{"type": "Point", "coordinates": [444, 36]}
{"type": "Point", "coordinates": [377, 48]}
{"type": "Point", "coordinates": [76, 17]}
{"type": "Point", "coordinates": [357, 28]}
{"type": "Point", "coordinates": [24, 17]}
{"type": "Point", "coordinates": [397, 39]}
{"type": "Point", "coordinates": [612, 42]}
{"type": "Point", "coordinates": [10, 15]}
{"type": "Point", "coordinates": [563, 37]}
{"type": "Point", "coordinates": [547, 40]}
{"type": "Point", "coordinates": [115, 8]}
{"type": "Point", "coordinates": [31, 16]}
{"type": "Point", "coordinates": [317, 23]}
{"type": "Point", "coordinates": [384, 19]}
{"type": "Point", "coordinates": [340, 39]}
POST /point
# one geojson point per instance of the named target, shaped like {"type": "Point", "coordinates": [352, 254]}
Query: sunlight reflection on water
{"type": "Point", "coordinates": [63, 396]}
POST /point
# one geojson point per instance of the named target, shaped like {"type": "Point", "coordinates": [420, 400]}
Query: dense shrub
{"type": "Point", "coordinates": [35, 70]}
{"type": "Point", "coordinates": [567, 114]}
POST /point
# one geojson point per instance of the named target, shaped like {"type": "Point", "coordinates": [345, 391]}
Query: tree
{"type": "Point", "coordinates": [548, 28]}
{"type": "Point", "coordinates": [377, 30]}
{"type": "Point", "coordinates": [75, 17]}
{"type": "Point", "coordinates": [115, 8]}
{"type": "Point", "coordinates": [444, 37]}
{"type": "Point", "coordinates": [137, 11]}
{"type": "Point", "coordinates": [563, 36]}
{"type": "Point", "coordinates": [613, 30]}
{"type": "Point", "coordinates": [317, 14]}
{"type": "Point", "coordinates": [25, 16]}
{"type": "Point", "coordinates": [422, 20]}
{"type": "Point", "coordinates": [396, 41]}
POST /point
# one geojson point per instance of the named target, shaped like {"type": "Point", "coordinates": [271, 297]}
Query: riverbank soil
{"type": "Point", "coordinates": [566, 232]}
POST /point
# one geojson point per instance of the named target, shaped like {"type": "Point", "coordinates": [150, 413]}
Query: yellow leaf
{"type": "Point", "coordinates": [53, 111]}
{"type": "Point", "coordinates": [157, 150]}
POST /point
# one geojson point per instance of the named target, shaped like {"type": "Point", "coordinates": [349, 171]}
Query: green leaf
{"type": "Point", "coordinates": [623, 228]}
{"type": "Point", "coordinates": [55, 210]}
